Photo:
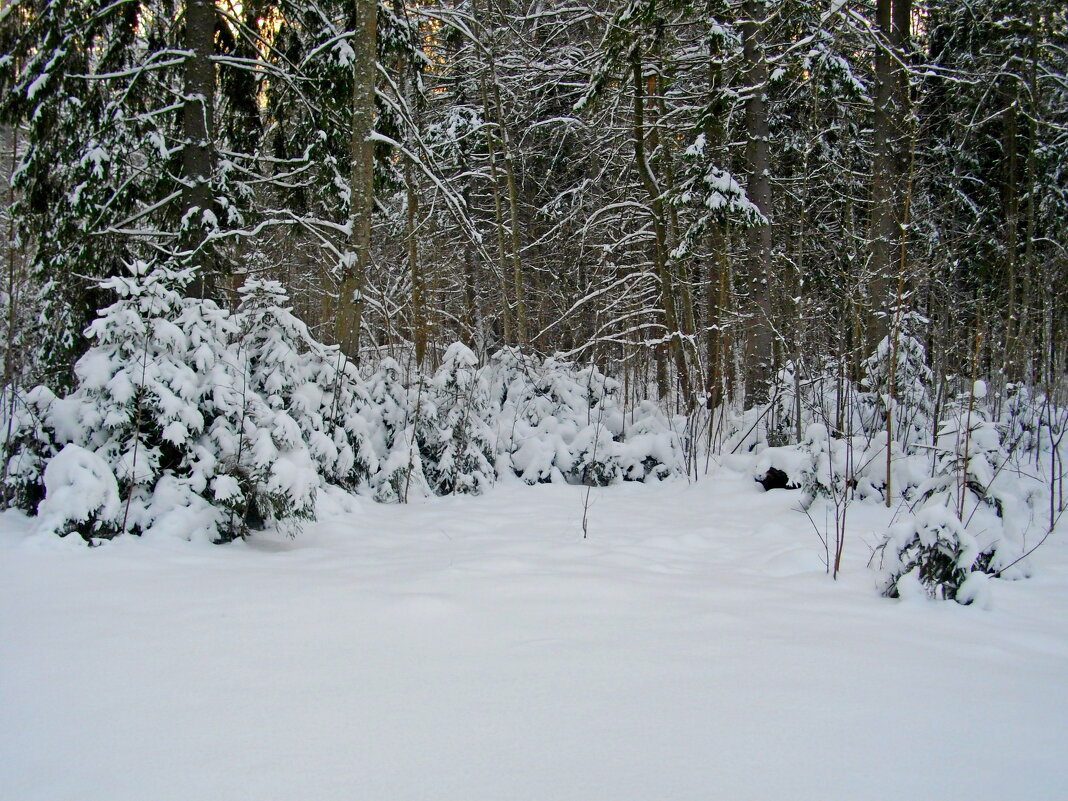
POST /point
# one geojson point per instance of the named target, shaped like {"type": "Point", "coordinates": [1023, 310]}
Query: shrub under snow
{"type": "Point", "coordinates": [81, 496]}
{"type": "Point", "coordinates": [559, 422]}
{"type": "Point", "coordinates": [457, 438]}
{"type": "Point", "coordinates": [934, 551]}
{"type": "Point", "coordinates": [165, 401]}
{"type": "Point", "coordinates": [400, 476]}
{"type": "Point", "coordinates": [207, 423]}
{"type": "Point", "coordinates": [966, 491]}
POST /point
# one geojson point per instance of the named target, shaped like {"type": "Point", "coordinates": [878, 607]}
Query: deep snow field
{"type": "Point", "coordinates": [479, 649]}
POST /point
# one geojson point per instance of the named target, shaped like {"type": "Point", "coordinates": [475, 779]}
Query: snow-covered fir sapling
{"type": "Point", "coordinates": [29, 442]}
{"type": "Point", "coordinates": [139, 405]}
{"type": "Point", "coordinates": [594, 447]}
{"type": "Point", "coordinates": [652, 450]}
{"type": "Point", "coordinates": [138, 399]}
{"type": "Point", "coordinates": [164, 399]}
{"type": "Point", "coordinates": [525, 443]}
{"type": "Point", "coordinates": [966, 518]}
{"type": "Point", "coordinates": [896, 380]}
{"type": "Point", "coordinates": [167, 401]}
{"type": "Point", "coordinates": [212, 483]}
{"type": "Point", "coordinates": [459, 446]}
{"type": "Point", "coordinates": [543, 415]}
{"type": "Point", "coordinates": [81, 496]}
{"type": "Point", "coordinates": [310, 382]}
{"type": "Point", "coordinates": [596, 462]}
{"type": "Point", "coordinates": [933, 554]}
{"type": "Point", "coordinates": [400, 475]}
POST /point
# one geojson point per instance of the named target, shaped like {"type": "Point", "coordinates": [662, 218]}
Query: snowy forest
{"type": "Point", "coordinates": [254, 249]}
{"type": "Point", "coordinates": [565, 399]}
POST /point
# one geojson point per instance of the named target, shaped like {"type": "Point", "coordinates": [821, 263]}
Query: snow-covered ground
{"type": "Point", "coordinates": [479, 648]}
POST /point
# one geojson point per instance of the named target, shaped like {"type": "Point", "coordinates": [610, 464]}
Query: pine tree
{"type": "Point", "coordinates": [400, 477]}
{"type": "Point", "coordinates": [459, 445]}
{"type": "Point", "coordinates": [308, 382]}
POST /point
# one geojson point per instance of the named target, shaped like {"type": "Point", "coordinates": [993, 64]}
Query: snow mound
{"type": "Point", "coordinates": [81, 495]}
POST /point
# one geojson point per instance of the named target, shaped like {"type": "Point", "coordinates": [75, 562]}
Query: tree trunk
{"type": "Point", "coordinates": [660, 249]}
{"type": "Point", "coordinates": [882, 219]}
{"type": "Point", "coordinates": [197, 149]}
{"type": "Point", "coordinates": [522, 323]}
{"type": "Point", "coordinates": [419, 327]}
{"type": "Point", "coordinates": [1030, 179]}
{"type": "Point", "coordinates": [717, 279]}
{"type": "Point", "coordinates": [891, 154]}
{"type": "Point", "coordinates": [472, 318]}
{"type": "Point", "coordinates": [681, 273]}
{"type": "Point", "coordinates": [760, 274]}
{"type": "Point", "coordinates": [498, 217]}
{"type": "Point", "coordinates": [361, 179]}
{"type": "Point", "coordinates": [514, 239]}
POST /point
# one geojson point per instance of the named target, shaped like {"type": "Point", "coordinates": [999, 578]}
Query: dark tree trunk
{"type": "Point", "coordinates": [759, 268]}
{"type": "Point", "coordinates": [361, 178]}
{"type": "Point", "coordinates": [197, 151]}
{"type": "Point", "coordinates": [661, 247]}
{"type": "Point", "coordinates": [890, 159]}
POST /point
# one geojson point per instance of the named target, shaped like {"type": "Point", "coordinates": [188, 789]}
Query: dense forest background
{"type": "Point", "coordinates": [690, 195]}
{"type": "Point", "coordinates": [797, 270]}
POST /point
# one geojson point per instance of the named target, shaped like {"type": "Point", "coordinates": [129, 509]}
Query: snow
{"type": "Point", "coordinates": [479, 648]}
{"type": "Point", "coordinates": [79, 487]}
{"type": "Point", "coordinates": [344, 54]}
{"type": "Point", "coordinates": [37, 85]}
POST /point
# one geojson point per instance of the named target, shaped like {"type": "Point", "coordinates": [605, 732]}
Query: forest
{"type": "Point", "coordinates": [409, 248]}
{"type": "Point", "coordinates": [556, 400]}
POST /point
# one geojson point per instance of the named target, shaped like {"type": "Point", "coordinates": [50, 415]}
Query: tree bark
{"type": "Point", "coordinates": [759, 344]}
{"type": "Point", "coordinates": [361, 179]}
{"type": "Point", "coordinates": [419, 327]}
{"type": "Point", "coordinates": [498, 217]}
{"type": "Point", "coordinates": [514, 238]}
{"type": "Point", "coordinates": [660, 249]}
{"type": "Point", "coordinates": [197, 148]}
{"type": "Point", "coordinates": [891, 155]}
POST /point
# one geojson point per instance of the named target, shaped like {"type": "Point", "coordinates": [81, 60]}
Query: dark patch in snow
{"type": "Point", "coordinates": [776, 479]}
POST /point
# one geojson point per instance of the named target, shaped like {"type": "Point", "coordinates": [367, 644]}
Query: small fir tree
{"type": "Point", "coordinates": [461, 446]}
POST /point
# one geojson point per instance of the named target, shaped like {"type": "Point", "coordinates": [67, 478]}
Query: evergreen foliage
{"type": "Point", "coordinates": [934, 551]}
{"type": "Point", "coordinates": [897, 378]}
{"type": "Point", "coordinates": [459, 444]}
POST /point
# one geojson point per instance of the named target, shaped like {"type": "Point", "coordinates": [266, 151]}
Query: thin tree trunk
{"type": "Point", "coordinates": [522, 323]}
{"type": "Point", "coordinates": [361, 178]}
{"type": "Point", "coordinates": [882, 220]}
{"type": "Point", "coordinates": [656, 203]}
{"type": "Point", "coordinates": [890, 157]}
{"type": "Point", "coordinates": [685, 295]}
{"type": "Point", "coordinates": [1024, 335]}
{"type": "Point", "coordinates": [197, 149]}
{"type": "Point", "coordinates": [472, 318]}
{"type": "Point", "coordinates": [758, 258]}
{"type": "Point", "coordinates": [419, 327]}
{"type": "Point", "coordinates": [714, 317]}
{"type": "Point", "coordinates": [717, 279]}
{"type": "Point", "coordinates": [10, 362]}
{"type": "Point", "coordinates": [660, 249]}
{"type": "Point", "coordinates": [514, 238]}
{"type": "Point", "coordinates": [498, 216]}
